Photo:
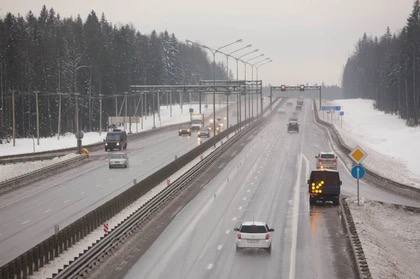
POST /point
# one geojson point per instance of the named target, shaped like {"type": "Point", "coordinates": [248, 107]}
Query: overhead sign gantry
{"type": "Point", "coordinates": [301, 88]}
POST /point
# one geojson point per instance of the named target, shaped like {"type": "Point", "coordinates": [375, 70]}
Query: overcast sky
{"type": "Point", "coordinates": [308, 40]}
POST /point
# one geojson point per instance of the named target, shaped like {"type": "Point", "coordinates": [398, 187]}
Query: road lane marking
{"type": "Point", "coordinates": [48, 210]}
{"type": "Point", "coordinates": [219, 247]}
{"type": "Point", "coordinates": [244, 198]}
{"type": "Point", "coordinates": [66, 201]}
{"type": "Point", "coordinates": [25, 222]}
{"type": "Point", "coordinates": [295, 216]}
{"type": "Point", "coordinates": [210, 266]}
{"type": "Point", "coordinates": [240, 208]}
{"type": "Point", "coordinates": [227, 231]}
{"type": "Point", "coordinates": [234, 218]}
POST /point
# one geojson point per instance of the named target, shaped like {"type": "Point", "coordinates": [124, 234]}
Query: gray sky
{"type": "Point", "coordinates": [309, 40]}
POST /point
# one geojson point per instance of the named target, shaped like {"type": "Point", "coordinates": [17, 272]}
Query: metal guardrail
{"type": "Point", "coordinates": [33, 259]}
{"type": "Point", "coordinates": [85, 263]}
{"type": "Point", "coordinates": [30, 177]}
{"type": "Point", "coordinates": [44, 155]}
{"type": "Point", "coordinates": [362, 267]}
{"type": "Point", "coordinates": [371, 175]}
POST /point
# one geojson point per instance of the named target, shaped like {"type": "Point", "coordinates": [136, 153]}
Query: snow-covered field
{"type": "Point", "coordinates": [390, 238]}
{"type": "Point", "coordinates": [28, 145]}
{"type": "Point", "coordinates": [393, 148]}
{"type": "Point", "coordinates": [12, 170]}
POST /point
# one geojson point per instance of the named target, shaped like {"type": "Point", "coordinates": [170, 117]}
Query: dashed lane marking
{"type": "Point", "coordinates": [227, 231]}
{"type": "Point", "coordinates": [25, 222]}
{"type": "Point", "coordinates": [210, 266]}
{"type": "Point", "coordinates": [234, 218]}
{"type": "Point", "coordinates": [219, 247]}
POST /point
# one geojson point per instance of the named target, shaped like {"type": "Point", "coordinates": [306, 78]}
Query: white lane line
{"type": "Point", "coordinates": [234, 218]}
{"type": "Point", "coordinates": [248, 191]}
{"type": "Point", "coordinates": [244, 198]}
{"type": "Point", "coordinates": [219, 247]}
{"type": "Point", "coordinates": [48, 210]}
{"type": "Point", "coordinates": [307, 206]}
{"type": "Point", "coordinates": [82, 193]}
{"type": "Point", "coordinates": [25, 222]}
{"type": "Point", "coordinates": [227, 231]}
{"type": "Point", "coordinates": [66, 201]}
{"type": "Point", "coordinates": [210, 266]}
{"type": "Point", "coordinates": [240, 208]}
{"type": "Point", "coordinates": [295, 216]}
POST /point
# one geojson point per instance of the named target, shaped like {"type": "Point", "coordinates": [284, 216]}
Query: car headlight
{"type": "Point", "coordinates": [106, 144]}
{"type": "Point", "coordinates": [180, 131]}
{"type": "Point", "coordinates": [118, 143]}
{"type": "Point", "coordinates": [188, 130]}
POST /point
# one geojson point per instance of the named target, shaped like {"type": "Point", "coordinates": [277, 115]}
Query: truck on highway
{"type": "Point", "coordinates": [197, 121]}
{"type": "Point", "coordinates": [324, 185]}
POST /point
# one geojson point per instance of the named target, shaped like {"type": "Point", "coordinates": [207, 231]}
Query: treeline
{"type": "Point", "coordinates": [387, 70]}
{"type": "Point", "coordinates": [53, 54]}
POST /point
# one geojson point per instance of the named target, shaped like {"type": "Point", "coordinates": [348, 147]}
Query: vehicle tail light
{"type": "Point", "coordinates": [239, 236]}
{"type": "Point", "coordinates": [267, 236]}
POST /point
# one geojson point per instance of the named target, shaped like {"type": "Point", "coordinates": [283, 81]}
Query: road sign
{"type": "Point", "coordinates": [341, 113]}
{"type": "Point", "coordinates": [328, 108]}
{"type": "Point", "coordinates": [358, 171]}
{"type": "Point", "coordinates": [358, 155]}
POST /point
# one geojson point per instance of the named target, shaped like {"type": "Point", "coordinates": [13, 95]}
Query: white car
{"type": "Point", "coordinates": [118, 160]}
{"type": "Point", "coordinates": [326, 160]}
{"type": "Point", "coordinates": [253, 235]}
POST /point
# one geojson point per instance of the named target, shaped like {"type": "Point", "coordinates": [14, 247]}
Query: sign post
{"type": "Point", "coordinates": [358, 171]}
{"type": "Point", "coordinates": [341, 118]}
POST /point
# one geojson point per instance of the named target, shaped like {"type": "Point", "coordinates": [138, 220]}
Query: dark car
{"type": "Point", "coordinates": [293, 126]}
{"type": "Point", "coordinates": [116, 139]}
{"type": "Point", "coordinates": [203, 133]}
{"type": "Point", "coordinates": [184, 131]}
{"type": "Point", "coordinates": [324, 185]}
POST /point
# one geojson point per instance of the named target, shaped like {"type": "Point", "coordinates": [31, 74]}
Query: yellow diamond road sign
{"type": "Point", "coordinates": [358, 155]}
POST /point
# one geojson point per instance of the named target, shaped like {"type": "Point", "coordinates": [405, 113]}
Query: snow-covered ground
{"type": "Point", "coordinates": [390, 238]}
{"type": "Point", "coordinates": [29, 145]}
{"type": "Point", "coordinates": [12, 170]}
{"type": "Point", "coordinates": [393, 148]}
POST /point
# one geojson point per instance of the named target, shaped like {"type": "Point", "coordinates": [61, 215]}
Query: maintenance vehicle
{"type": "Point", "coordinates": [324, 185]}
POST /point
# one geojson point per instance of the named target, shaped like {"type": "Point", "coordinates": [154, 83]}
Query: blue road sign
{"type": "Point", "coordinates": [341, 113]}
{"type": "Point", "coordinates": [336, 108]}
{"type": "Point", "coordinates": [358, 171]}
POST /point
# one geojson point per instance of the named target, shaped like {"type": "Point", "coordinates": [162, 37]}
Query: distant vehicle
{"type": "Point", "coordinates": [197, 120]}
{"type": "Point", "coordinates": [324, 185]}
{"type": "Point", "coordinates": [184, 131]}
{"type": "Point", "coordinates": [281, 111]}
{"type": "Point", "coordinates": [118, 160]}
{"type": "Point", "coordinates": [326, 160]}
{"type": "Point", "coordinates": [299, 102]}
{"type": "Point", "coordinates": [253, 235]}
{"type": "Point", "coordinates": [289, 104]}
{"type": "Point", "coordinates": [116, 139]}
{"type": "Point", "coordinates": [299, 107]}
{"type": "Point", "coordinates": [204, 133]}
{"type": "Point", "coordinates": [293, 126]}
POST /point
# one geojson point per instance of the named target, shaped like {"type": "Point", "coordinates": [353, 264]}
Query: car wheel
{"type": "Point", "coordinates": [269, 249]}
{"type": "Point", "coordinates": [110, 167]}
{"type": "Point", "coordinates": [336, 201]}
{"type": "Point", "coordinates": [238, 248]}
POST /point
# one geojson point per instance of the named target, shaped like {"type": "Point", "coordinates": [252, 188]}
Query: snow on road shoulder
{"type": "Point", "coordinates": [13, 170]}
{"type": "Point", "coordinates": [29, 145]}
{"type": "Point", "coordinates": [390, 238]}
{"type": "Point", "coordinates": [392, 147]}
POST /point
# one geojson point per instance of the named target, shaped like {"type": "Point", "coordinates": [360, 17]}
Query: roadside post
{"type": "Point", "coordinates": [341, 118]}
{"type": "Point", "coordinates": [191, 112]}
{"type": "Point", "coordinates": [358, 171]}
{"type": "Point", "coordinates": [79, 136]}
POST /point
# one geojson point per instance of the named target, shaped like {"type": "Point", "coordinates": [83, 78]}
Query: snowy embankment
{"type": "Point", "coordinates": [13, 170]}
{"type": "Point", "coordinates": [393, 148]}
{"type": "Point", "coordinates": [29, 145]}
{"type": "Point", "coordinates": [390, 238]}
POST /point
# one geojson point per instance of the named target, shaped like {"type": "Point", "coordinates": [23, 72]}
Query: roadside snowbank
{"type": "Point", "coordinates": [390, 238]}
{"type": "Point", "coordinates": [393, 148]}
{"type": "Point", "coordinates": [12, 170]}
{"type": "Point", "coordinates": [27, 145]}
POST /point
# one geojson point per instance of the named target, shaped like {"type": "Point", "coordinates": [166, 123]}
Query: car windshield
{"type": "Point", "coordinates": [327, 156]}
{"type": "Point", "coordinates": [253, 229]}
{"type": "Point", "coordinates": [113, 136]}
{"type": "Point", "coordinates": [117, 156]}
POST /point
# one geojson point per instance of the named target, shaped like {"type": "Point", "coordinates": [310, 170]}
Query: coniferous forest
{"type": "Point", "coordinates": [387, 70]}
{"type": "Point", "coordinates": [50, 54]}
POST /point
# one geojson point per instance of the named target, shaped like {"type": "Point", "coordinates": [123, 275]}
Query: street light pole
{"type": "Point", "coordinates": [262, 63]}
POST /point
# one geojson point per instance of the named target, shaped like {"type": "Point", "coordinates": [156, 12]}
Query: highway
{"type": "Point", "coordinates": [266, 181]}
{"type": "Point", "coordinates": [29, 214]}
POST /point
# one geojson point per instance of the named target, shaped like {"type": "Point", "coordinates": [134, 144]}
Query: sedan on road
{"type": "Point", "coordinates": [184, 131]}
{"type": "Point", "coordinates": [203, 133]}
{"type": "Point", "coordinates": [118, 160]}
{"type": "Point", "coordinates": [253, 234]}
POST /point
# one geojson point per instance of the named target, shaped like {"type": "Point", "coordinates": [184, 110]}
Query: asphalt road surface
{"type": "Point", "coordinates": [266, 181]}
